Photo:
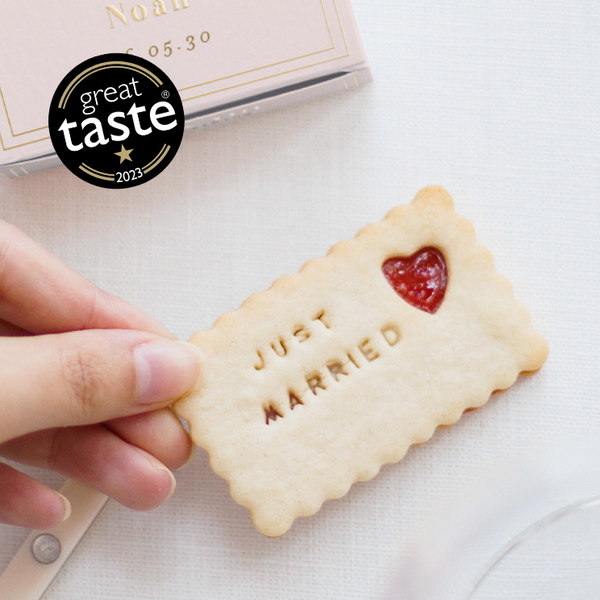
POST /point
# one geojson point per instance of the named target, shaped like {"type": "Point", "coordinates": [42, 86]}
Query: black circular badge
{"type": "Point", "coordinates": [116, 121]}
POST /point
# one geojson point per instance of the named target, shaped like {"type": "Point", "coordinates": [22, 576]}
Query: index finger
{"type": "Point", "coordinates": [41, 294]}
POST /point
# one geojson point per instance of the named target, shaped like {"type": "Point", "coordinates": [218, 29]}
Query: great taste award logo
{"type": "Point", "coordinates": [116, 121]}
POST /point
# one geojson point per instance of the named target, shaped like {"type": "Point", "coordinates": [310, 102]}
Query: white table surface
{"type": "Point", "coordinates": [499, 102]}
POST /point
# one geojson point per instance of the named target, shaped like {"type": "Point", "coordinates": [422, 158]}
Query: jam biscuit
{"type": "Point", "coordinates": [317, 382]}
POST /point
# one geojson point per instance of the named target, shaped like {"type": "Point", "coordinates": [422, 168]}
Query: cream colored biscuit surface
{"type": "Point", "coordinates": [317, 382]}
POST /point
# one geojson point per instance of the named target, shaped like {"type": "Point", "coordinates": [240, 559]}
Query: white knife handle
{"type": "Point", "coordinates": [26, 578]}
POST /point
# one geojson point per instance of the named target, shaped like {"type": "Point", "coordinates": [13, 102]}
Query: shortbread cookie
{"type": "Point", "coordinates": [317, 382]}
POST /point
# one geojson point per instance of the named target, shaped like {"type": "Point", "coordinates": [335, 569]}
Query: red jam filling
{"type": "Point", "coordinates": [419, 279]}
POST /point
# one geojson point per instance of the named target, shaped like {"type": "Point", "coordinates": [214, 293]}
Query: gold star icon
{"type": "Point", "coordinates": [124, 154]}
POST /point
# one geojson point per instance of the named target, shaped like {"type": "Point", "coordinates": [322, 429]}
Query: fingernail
{"type": "Point", "coordinates": [173, 482]}
{"type": "Point", "coordinates": [165, 370]}
{"type": "Point", "coordinates": [67, 506]}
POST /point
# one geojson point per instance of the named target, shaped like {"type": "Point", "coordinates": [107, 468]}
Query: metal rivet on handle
{"type": "Point", "coordinates": [45, 548]}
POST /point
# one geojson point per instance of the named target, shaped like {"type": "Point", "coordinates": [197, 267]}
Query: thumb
{"type": "Point", "coordinates": [84, 377]}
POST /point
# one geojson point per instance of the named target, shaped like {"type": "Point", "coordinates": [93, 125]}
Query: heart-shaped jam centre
{"type": "Point", "coordinates": [419, 279]}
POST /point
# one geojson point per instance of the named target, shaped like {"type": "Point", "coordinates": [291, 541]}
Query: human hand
{"type": "Point", "coordinates": [85, 384]}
